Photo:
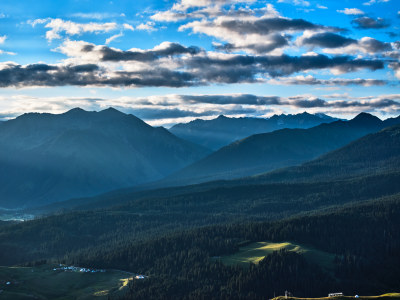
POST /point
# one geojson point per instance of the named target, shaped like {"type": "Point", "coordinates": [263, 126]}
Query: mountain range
{"type": "Point", "coordinates": [47, 158]}
{"type": "Point", "coordinates": [223, 130]}
{"type": "Point", "coordinates": [261, 153]}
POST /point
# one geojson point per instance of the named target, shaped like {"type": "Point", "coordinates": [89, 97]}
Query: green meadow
{"type": "Point", "coordinates": [44, 283]}
{"type": "Point", "coordinates": [254, 252]}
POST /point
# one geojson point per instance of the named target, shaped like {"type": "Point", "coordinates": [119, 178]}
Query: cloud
{"type": "Point", "coordinates": [148, 26]}
{"type": "Point", "coordinates": [337, 44]}
{"type": "Point", "coordinates": [58, 26]}
{"type": "Point", "coordinates": [296, 2]}
{"type": "Point", "coordinates": [2, 41]}
{"type": "Point", "coordinates": [370, 23]}
{"type": "Point", "coordinates": [193, 70]}
{"type": "Point", "coordinates": [114, 37]}
{"type": "Point", "coordinates": [170, 65]}
{"type": "Point", "coordinates": [80, 49]}
{"type": "Point", "coordinates": [310, 80]}
{"type": "Point", "coordinates": [184, 5]}
{"type": "Point", "coordinates": [171, 108]}
{"type": "Point", "coordinates": [328, 40]}
{"type": "Point", "coordinates": [351, 11]}
{"type": "Point", "coordinates": [6, 52]}
{"type": "Point", "coordinates": [213, 10]}
{"type": "Point", "coordinates": [321, 6]}
{"type": "Point", "coordinates": [256, 35]}
{"type": "Point", "coordinates": [371, 2]}
{"type": "Point", "coordinates": [128, 27]}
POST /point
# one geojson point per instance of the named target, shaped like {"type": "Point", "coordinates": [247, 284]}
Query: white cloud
{"type": "Point", "coordinates": [7, 53]}
{"type": "Point", "coordinates": [296, 2]}
{"type": "Point", "coordinates": [321, 6]}
{"type": "Point", "coordinates": [37, 21]}
{"type": "Point", "coordinates": [371, 2]}
{"type": "Point", "coordinates": [149, 26]}
{"type": "Point", "coordinates": [200, 9]}
{"type": "Point", "coordinates": [351, 11]}
{"type": "Point", "coordinates": [128, 27]}
{"type": "Point", "coordinates": [58, 26]}
{"type": "Point", "coordinates": [3, 39]}
{"type": "Point", "coordinates": [184, 5]}
{"type": "Point", "coordinates": [112, 38]}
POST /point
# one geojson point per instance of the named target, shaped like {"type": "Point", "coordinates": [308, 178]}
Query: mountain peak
{"type": "Point", "coordinates": [76, 110]}
{"type": "Point", "coordinates": [111, 111]}
{"type": "Point", "coordinates": [365, 118]}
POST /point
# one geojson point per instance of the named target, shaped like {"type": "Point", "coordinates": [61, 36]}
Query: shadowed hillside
{"type": "Point", "coordinates": [47, 158]}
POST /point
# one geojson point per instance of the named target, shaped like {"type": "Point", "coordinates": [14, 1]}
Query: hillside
{"type": "Point", "coordinates": [47, 158]}
{"type": "Point", "coordinates": [264, 152]}
{"type": "Point", "coordinates": [373, 153]}
{"type": "Point", "coordinates": [355, 219]}
{"type": "Point", "coordinates": [377, 153]}
{"type": "Point", "coordinates": [138, 216]}
{"type": "Point", "coordinates": [222, 131]}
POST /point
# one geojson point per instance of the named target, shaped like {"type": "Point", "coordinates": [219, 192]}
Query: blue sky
{"type": "Point", "coordinates": [169, 62]}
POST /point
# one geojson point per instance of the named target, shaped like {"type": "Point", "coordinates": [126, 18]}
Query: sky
{"type": "Point", "coordinates": [174, 61]}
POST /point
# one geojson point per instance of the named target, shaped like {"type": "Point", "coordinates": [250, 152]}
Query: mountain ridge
{"type": "Point", "coordinates": [264, 152]}
{"type": "Point", "coordinates": [223, 130]}
{"type": "Point", "coordinates": [47, 157]}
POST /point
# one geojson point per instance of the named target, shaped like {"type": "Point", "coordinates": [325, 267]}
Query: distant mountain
{"type": "Point", "coordinates": [222, 131]}
{"type": "Point", "coordinates": [374, 158]}
{"type": "Point", "coordinates": [286, 147]}
{"type": "Point", "coordinates": [374, 153]}
{"type": "Point", "coordinates": [47, 158]}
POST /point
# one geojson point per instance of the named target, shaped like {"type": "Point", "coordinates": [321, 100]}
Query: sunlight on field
{"type": "Point", "coordinates": [255, 252]}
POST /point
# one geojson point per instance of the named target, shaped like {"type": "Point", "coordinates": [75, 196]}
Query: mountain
{"type": "Point", "coordinates": [286, 147]}
{"type": "Point", "coordinates": [370, 165]}
{"type": "Point", "coordinates": [47, 158]}
{"type": "Point", "coordinates": [222, 131]}
{"type": "Point", "coordinates": [371, 154]}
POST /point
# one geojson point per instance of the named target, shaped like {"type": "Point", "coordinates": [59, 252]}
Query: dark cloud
{"type": "Point", "coordinates": [172, 49]}
{"type": "Point", "coordinates": [370, 23]}
{"type": "Point", "coordinates": [392, 34]}
{"type": "Point", "coordinates": [315, 103]}
{"type": "Point", "coordinates": [194, 70]}
{"type": "Point", "coordinates": [299, 101]}
{"type": "Point", "coordinates": [328, 40]}
{"type": "Point", "coordinates": [274, 41]}
{"type": "Point", "coordinates": [156, 114]}
{"type": "Point", "coordinates": [247, 99]}
{"type": "Point", "coordinates": [339, 81]}
{"type": "Point", "coordinates": [268, 25]}
{"type": "Point", "coordinates": [87, 75]}
{"type": "Point", "coordinates": [373, 45]}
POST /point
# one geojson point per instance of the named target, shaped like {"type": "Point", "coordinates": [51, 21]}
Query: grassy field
{"type": "Point", "coordinates": [390, 296]}
{"type": "Point", "coordinates": [255, 252]}
{"type": "Point", "coordinates": [44, 283]}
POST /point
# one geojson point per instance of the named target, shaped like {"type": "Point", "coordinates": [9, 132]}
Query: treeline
{"type": "Point", "coordinates": [364, 238]}
{"type": "Point", "coordinates": [54, 236]}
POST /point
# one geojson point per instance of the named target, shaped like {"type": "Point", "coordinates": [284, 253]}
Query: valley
{"type": "Point", "coordinates": [317, 224]}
